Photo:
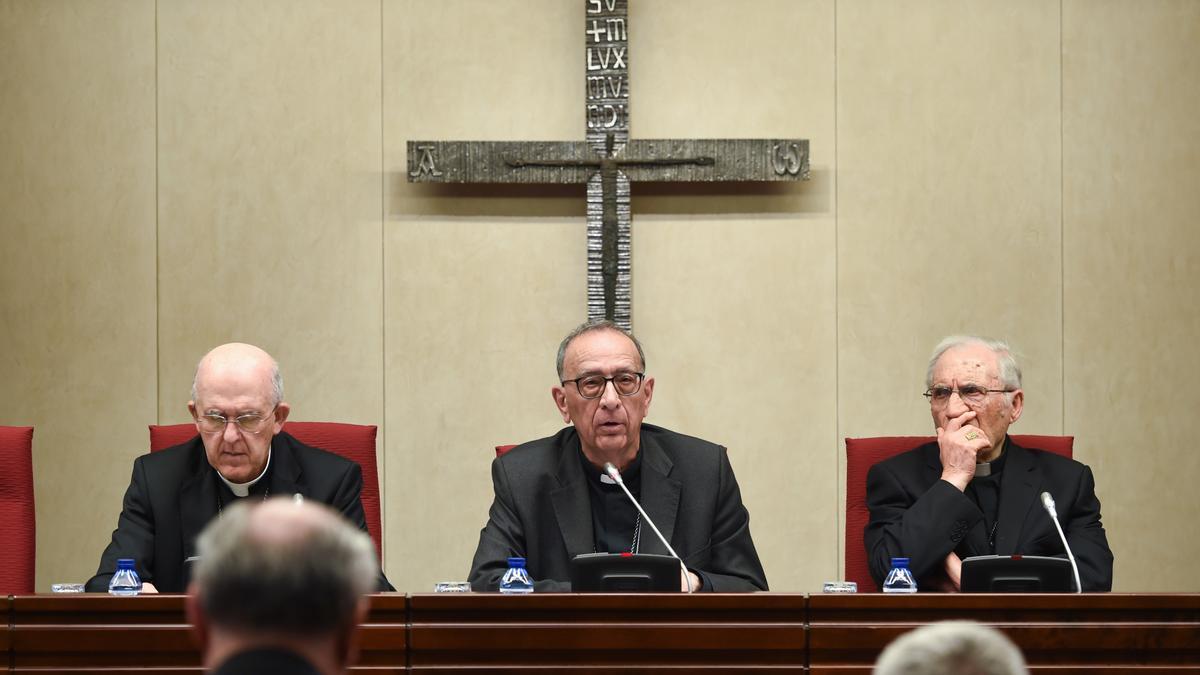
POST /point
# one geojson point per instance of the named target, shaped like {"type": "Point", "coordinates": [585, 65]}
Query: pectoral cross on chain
{"type": "Point", "coordinates": [608, 161]}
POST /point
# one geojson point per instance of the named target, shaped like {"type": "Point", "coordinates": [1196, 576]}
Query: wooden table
{"type": "Point", "coordinates": [598, 633]}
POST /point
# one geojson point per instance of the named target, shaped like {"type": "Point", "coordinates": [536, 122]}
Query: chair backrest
{"type": "Point", "coordinates": [501, 449]}
{"type": "Point", "coordinates": [863, 453]}
{"type": "Point", "coordinates": [355, 442]}
{"type": "Point", "coordinates": [17, 524]}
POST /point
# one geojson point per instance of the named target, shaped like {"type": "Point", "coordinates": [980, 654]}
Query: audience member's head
{"type": "Point", "coordinates": [951, 648]}
{"type": "Point", "coordinates": [285, 576]}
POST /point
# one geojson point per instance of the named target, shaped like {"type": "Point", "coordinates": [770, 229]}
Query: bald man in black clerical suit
{"type": "Point", "coordinates": [241, 452]}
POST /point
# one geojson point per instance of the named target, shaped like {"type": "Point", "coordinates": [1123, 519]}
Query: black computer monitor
{"type": "Point", "coordinates": [1016, 574]}
{"type": "Point", "coordinates": [624, 573]}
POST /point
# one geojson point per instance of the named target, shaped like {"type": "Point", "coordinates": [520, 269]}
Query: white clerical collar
{"type": "Point", "coordinates": [243, 489]}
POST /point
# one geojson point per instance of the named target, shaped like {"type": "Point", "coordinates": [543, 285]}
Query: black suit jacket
{"type": "Point", "coordinates": [542, 512]}
{"type": "Point", "coordinates": [917, 515]}
{"type": "Point", "coordinates": [266, 661]}
{"type": "Point", "coordinates": [173, 494]}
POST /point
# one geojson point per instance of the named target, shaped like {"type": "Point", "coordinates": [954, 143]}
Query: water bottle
{"type": "Point", "coordinates": [126, 580]}
{"type": "Point", "coordinates": [899, 578]}
{"type": "Point", "coordinates": [516, 578]}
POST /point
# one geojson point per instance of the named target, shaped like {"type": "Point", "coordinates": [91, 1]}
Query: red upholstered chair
{"type": "Point", "coordinates": [355, 442]}
{"type": "Point", "coordinates": [501, 449]}
{"type": "Point", "coordinates": [17, 529]}
{"type": "Point", "coordinates": [863, 453]}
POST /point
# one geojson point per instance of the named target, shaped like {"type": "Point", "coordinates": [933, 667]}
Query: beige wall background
{"type": "Point", "coordinates": [174, 175]}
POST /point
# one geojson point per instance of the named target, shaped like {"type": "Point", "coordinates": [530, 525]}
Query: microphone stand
{"type": "Point", "coordinates": [612, 472]}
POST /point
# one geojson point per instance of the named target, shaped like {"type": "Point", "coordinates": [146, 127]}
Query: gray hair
{"type": "Point", "coordinates": [587, 327]}
{"type": "Point", "coordinates": [273, 577]}
{"type": "Point", "coordinates": [276, 382]}
{"type": "Point", "coordinates": [1010, 371]}
{"type": "Point", "coordinates": [951, 648]}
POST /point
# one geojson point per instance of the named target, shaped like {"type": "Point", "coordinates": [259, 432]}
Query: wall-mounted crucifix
{"type": "Point", "coordinates": [608, 161]}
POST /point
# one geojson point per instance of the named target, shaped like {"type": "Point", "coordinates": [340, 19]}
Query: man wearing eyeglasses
{"type": "Point", "coordinates": [553, 500]}
{"type": "Point", "coordinates": [974, 491]}
{"type": "Point", "coordinates": [240, 453]}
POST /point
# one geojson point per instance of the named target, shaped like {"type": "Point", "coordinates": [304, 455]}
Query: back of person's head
{"type": "Point", "coordinates": [951, 648]}
{"type": "Point", "coordinates": [281, 572]}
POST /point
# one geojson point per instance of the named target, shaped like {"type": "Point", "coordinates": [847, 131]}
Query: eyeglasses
{"type": "Point", "coordinates": [971, 394]}
{"type": "Point", "coordinates": [592, 386]}
{"type": "Point", "coordinates": [251, 423]}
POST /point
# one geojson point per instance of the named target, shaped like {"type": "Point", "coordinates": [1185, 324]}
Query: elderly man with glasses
{"type": "Point", "coordinates": [241, 453]}
{"type": "Point", "coordinates": [974, 491]}
{"type": "Point", "coordinates": [553, 500]}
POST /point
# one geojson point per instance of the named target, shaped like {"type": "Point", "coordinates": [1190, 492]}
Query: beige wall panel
{"type": "Point", "coordinates": [77, 348]}
{"type": "Point", "coordinates": [475, 306]}
{"type": "Point", "coordinates": [488, 71]}
{"type": "Point", "coordinates": [449, 321]}
{"type": "Point", "coordinates": [475, 310]}
{"type": "Point", "coordinates": [1131, 148]}
{"type": "Point", "coordinates": [948, 201]}
{"type": "Point", "coordinates": [737, 311]}
{"type": "Point", "coordinates": [737, 316]}
{"type": "Point", "coordinates": [270, 200]}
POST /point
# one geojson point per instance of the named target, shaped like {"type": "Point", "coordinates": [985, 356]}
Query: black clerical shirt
{"type": "Point", "coordinates": [985, 492]}
{"type": "Point", "coordinates": [614, 517]}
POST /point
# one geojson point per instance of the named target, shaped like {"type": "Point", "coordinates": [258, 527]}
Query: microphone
{"type": "Point", "coordinates": [612, 472]}
{"type": "Point", "coordinates": [1048, 504]}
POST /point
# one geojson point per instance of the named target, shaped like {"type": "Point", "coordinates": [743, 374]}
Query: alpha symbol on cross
{"type": "Point", "coordinates": [425, 165]}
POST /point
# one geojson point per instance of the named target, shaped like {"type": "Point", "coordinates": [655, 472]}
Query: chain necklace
{"type": "Point", "coordinates": [633, 548]}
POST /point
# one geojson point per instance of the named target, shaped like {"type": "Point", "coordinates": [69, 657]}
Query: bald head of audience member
{"type": "Point", "coordinates": [951, 648]}
{"type": "Point", "coordinates": [237, 403]}
{"type": "Point", "coordinates": [282, 577]}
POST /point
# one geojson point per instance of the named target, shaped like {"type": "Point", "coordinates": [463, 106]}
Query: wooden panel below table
{"type": "Point", "coordinates": [1060, 632]}
{"type": "Point", "coordinates": [601, 633]}
{"type": "Point", "coordinates": [80, 633]}
{"type": "Point", "coordinates": [149, 633]}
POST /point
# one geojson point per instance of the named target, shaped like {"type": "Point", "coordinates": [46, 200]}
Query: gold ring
{"type": "Point", "coordinates": [972, 435]}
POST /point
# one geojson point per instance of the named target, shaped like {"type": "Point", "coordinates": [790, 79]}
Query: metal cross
{"type": "Point", "coordinates": [608, 161]}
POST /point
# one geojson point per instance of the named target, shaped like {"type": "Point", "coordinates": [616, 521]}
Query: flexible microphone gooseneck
{"type": "Point", "coordinates": [612, 472]}
{"type": "Point", "coordinates": [1048, 504]}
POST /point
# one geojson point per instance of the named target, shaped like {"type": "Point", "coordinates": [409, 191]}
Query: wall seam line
{"type": "Point", "coordinates": [1062, 223]}
{"type": "Point", "coordinates": [839, 487]}
{"type": "Point", "coordinates": [157, 238]}
{"type": "Point", "coordinates": [382, 460]}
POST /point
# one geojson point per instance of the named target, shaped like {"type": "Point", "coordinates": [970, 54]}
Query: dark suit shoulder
{"type": "Point", "coordinates": [928, 453]}
{"type": "Point", "coordinates": [539, 450]}
{"type": "Point", "coordinates": [1051, 462]}
{"type": "Point", "coordinates": [176, 460]}
{"type": "Point", "coordinates": [540, 457]}
{"type": "Point", "coordinates": [673, 440]}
